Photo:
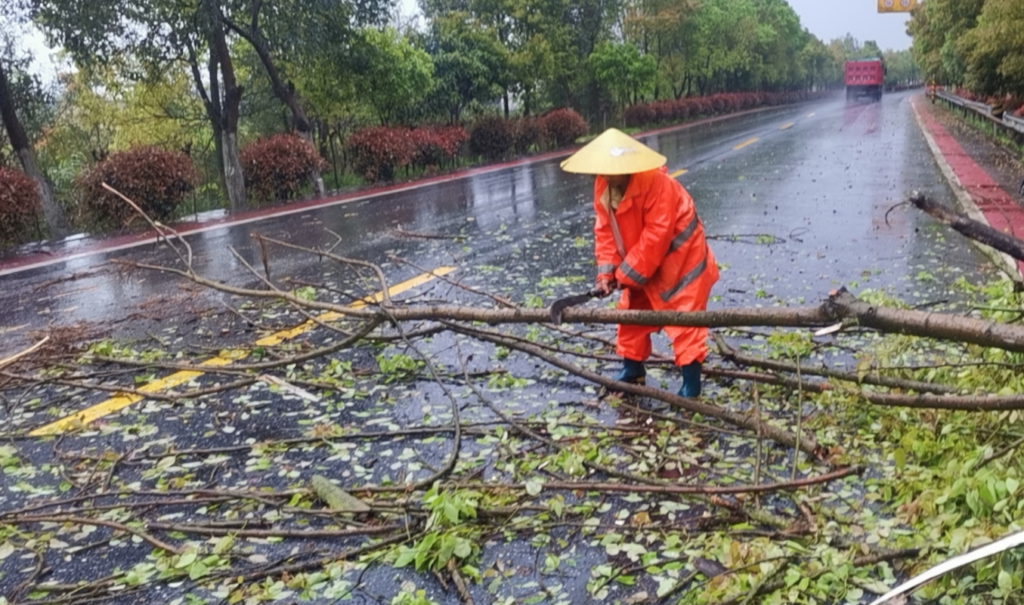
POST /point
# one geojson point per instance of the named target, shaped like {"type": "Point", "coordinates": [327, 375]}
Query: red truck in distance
{"type": "Point", "coordinates": [865, 79]}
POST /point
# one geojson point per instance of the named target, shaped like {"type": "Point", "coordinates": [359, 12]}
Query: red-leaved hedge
{"type": "Point", "coordinates": [496, 138]}
{"type": "Point", "coordinates": [680, 110]}
{"type": "Point", "coordinates": [492, 137]}
{"type": "Point", "coordinates": [378, 152]}
{"type": "Point", "coordinates": [564, 126]}
{"type": "Point", "coordinates": [529, 134]}
{"type": "Point", "coordinates": [276, 168]}
{"type": "Point", "coordinates": [19, 204]}
{"type": "Point", "coordinates": [156, 179]}
{"type": "Point", "coordinates": [437, 145]}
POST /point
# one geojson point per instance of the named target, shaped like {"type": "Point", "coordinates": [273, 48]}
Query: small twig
{"type": "Point", "coordinates": [402, 231]}
{"type": "Point", "coordinates": [15, 595]}
{"type": "Point", "coordinates": [296, 568]}
{"type": "Point", "coordinates": [87, 521]}
{"type": "Point", "coordinates": [460, 584]}
{"type": "Point", "coordinates": [272, 533]}
{"type": "Point", "coordinates": [999, 454]}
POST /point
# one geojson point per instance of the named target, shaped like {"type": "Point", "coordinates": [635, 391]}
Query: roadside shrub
{"type": "Point", "coordinates": [436, 145]}
{"type": "Point", "coordinates": [19, 204]}
{"type": "Point", "coordinates": [529, 134]}
{"type": "Point", "coordinates": [276, 168]}
{"type": "Point", "coordinates": [156, 179]}
{"type": "Point", "coordinates": [638, 115]}
{"type": "Point", "coordinates": [680, 110]}
{"type": "Point", "coordinates": [564, 126]}
{"type": "Point", "coordinates": [492, 137]}
{"type": "Point", "coordinates": [378, 152]}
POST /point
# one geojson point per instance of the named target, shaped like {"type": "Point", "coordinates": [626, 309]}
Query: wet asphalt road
{"type": "Point", "coordinates": [818, 177]}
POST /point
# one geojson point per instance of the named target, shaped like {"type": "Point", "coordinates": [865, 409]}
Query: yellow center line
{"type": "Point", "coordinates": [679, 173]}
{"type": "Point", "coordinates": [787, 126]}
{"type": "Point", "coordinates": [119, 402]}
{"type": "Point", "coordinates": [745, 143]}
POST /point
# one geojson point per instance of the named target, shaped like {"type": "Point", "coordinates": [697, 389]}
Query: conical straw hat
{"type": "Point", "coordinates": [614, 152]}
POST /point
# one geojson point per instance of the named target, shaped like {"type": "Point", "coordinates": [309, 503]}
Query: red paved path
{"type": "Point", "coordinates": [1000, 209]}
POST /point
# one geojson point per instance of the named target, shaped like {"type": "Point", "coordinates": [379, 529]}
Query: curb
{"type": "Point", "coordinates": [113, 244]}
{"type": "Point", "coordinates": [1013, 269]}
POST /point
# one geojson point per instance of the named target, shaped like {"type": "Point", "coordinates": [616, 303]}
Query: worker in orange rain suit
{"type": "Point", "coordinates": [649, 243]}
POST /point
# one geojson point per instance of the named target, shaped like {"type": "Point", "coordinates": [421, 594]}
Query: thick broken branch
{"type": "Point", "coordinates": [839, 306]}
{"type": "Point", "coordinates": [975, 230]}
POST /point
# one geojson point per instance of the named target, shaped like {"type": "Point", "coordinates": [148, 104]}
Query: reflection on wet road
{"type": "Point", "coordinates": [814, 181]}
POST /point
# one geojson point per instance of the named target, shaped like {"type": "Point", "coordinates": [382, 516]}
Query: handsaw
{"type": "Point", "coordinates": [560, 305]}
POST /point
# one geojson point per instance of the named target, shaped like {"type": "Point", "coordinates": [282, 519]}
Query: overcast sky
{"type": "Point", "coordinates": [830, 19]}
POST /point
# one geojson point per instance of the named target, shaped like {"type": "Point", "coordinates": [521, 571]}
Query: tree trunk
{"type": "Point", "coordinates": [232, 94]}
{"type": "Point", "coordinates": [56, 222]}
{"type": "Point", "coordinates": [212, 104]}
{"type": "Point", "coordinates": [284, 91]}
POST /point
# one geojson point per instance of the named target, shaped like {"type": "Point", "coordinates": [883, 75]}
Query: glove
{"type": "Point", "coordinates": [607, 286]}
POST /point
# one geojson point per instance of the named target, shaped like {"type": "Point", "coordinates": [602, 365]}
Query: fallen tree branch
{"type": "Point", "coordinates": [965, 403]}
{"type": "Point", "coordinates": [295, 568]}
{"type": "Point", "coordinates": [757, 515]}
{"type": "Point", "coordinates": [781, 366]}
{"type": "Point", "coordinates": [774, 433]}
{"type": "Point", "coordinates": [970, 228]}
{"type": "Point", "coordinates": [87, 521]}
{"type": "Point", "coordinates": [23, 354]}
{"type": "Point", "coordinates": [839, 306]}
{"type": "Point", "coordinates": [272, 533]}
{"type": "Point", "coordinates": [154, 395]}
{"type": "Point", "coordinates": [719, 490]}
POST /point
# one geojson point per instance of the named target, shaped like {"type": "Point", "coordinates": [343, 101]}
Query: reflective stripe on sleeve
{"type": "Point", "coordinates": [633, 274]}
{"type": "Point", "coordinates": [687, 279]}
{"type": "Point", "coordinates": [605, 269]}
{"type": "Point", "coordinates": [684, 236]}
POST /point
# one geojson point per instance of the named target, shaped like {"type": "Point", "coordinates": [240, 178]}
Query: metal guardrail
{"type": "Point", "coordinates": [981, 108]}
{"type": "Point", "coordinates": [950, 98]}
{"type": "Point", "coordinates": [1014, 123]}
{"type": "Point", "coordinates": [1007, 121]}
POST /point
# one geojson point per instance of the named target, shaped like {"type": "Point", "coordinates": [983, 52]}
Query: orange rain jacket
{"type": "Point", "coordinates": [666, 257]}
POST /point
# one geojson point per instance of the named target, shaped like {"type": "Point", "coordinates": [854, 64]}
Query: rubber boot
{"type": "Point", "coordinates": [632, 372]}
{"type": "Point", "coordinates": [691, 380]}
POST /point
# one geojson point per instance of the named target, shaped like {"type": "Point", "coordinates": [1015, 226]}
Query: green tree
{"type": "Point", "coordinates": [939, 28]}
{"type": "Point", "coordinates": [623, 71]}
{"type": "Point", "coordinates": [396, 76]}
{"type": "Point", "coordinates": [901, 68]}
{"type": "Point", "coordinates": [470, 64]}
{"type": "Point", "coordinates": [995, 49]}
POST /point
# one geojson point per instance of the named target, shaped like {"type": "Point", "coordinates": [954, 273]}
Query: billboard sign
{"type": "Point", "coordinates": [896, 6]}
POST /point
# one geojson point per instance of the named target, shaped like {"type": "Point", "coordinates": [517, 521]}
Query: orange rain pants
{"type": "Point", "coordinates": [664, 264]}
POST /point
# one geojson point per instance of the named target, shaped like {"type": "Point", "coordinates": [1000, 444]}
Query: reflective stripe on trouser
{"type": "Point", "coordinates": [634, 342]}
